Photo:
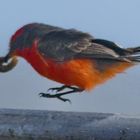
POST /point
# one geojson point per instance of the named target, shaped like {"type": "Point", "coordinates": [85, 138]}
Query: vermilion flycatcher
{"type": "Point", "coordinates": [71, 57]}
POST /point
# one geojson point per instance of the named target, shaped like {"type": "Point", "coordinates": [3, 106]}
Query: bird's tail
{"type": "Point", "coordinates": [133, 54]}
{"type": "Point", "coordinates": [7, 63]}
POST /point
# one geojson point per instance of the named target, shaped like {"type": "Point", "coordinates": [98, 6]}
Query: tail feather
{"type": "Point", "coordinates": [133, 54]}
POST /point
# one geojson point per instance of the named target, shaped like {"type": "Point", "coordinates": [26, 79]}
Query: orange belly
{"type": "Point", "coordinates": [80, 72]}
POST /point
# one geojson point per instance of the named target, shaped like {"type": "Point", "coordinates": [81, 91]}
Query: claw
{"type": "Point", "coordinates": [54, 96]}
{"type": "Point", "coordinates": [43, 95]}
{"type": "Point", "coordinates": [59, 95]}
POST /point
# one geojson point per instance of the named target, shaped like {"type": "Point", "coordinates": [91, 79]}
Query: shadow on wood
{"type": "Point", "coordinates": [54, 125]}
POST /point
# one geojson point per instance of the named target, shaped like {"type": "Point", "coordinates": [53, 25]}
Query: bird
{"type": "Point", "coordinates": [74, 58]}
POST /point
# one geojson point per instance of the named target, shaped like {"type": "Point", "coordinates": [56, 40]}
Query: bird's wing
{"type": "Point", "coordinates": [70, 44]}
{"type": "Point", "coordinates": [104, 49]}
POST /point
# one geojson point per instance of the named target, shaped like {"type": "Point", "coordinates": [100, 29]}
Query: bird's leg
{"type": "Point", "coordinates": [58, 89]}
{"type": "Point", "coordinates": [59, 95]}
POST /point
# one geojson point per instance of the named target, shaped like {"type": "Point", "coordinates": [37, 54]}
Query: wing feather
{"type": "Point", "coordinates": [69, 44]}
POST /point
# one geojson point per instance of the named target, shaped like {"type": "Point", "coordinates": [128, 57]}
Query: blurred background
{"type": "Point", "coordinates": [118, 21]}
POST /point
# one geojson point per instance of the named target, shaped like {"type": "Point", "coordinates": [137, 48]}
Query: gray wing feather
{"type": "Point", "coordinates": [63, 44]}
{"type": "Point", "coordinates": [68, 44]}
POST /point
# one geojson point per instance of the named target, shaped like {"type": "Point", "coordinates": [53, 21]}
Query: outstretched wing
{"type": "Point", "coordinates": [70, 44]}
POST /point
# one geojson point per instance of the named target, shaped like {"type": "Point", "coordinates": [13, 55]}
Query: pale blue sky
{"type": "Point", "coordinates": [118, 21]}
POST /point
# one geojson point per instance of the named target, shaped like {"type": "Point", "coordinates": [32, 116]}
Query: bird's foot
{"type": "Point", "coordinates": [58, 89]}
{"type": "Point", "coordinates": [59, 95]}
